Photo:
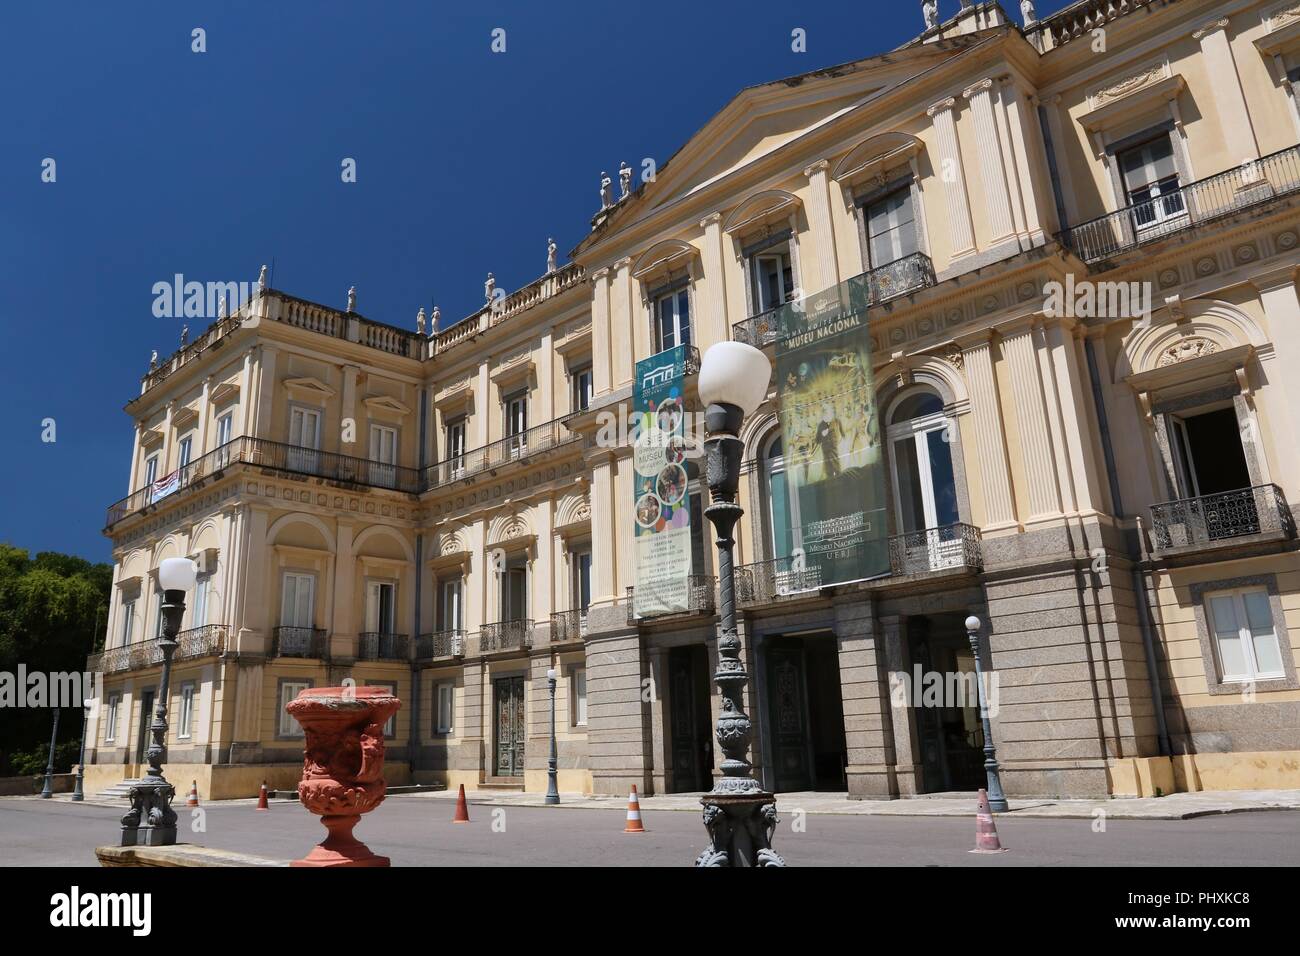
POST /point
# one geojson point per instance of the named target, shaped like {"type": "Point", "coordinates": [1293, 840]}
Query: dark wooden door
{"type": "Point", "coordinates": [788, 717]}
{"type": "Point", "coordinates": [689, 719]}
{"type": "Point", "coordinates": [509, 694]}
{"type": "Point", "coordinates": [146, 720]}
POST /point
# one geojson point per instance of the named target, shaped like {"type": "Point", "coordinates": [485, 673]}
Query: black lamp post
{"type": "Point", "coordinates": [552, 789]}
{"type": "Point", "coordinates": [78, 794]}
{"type": "Point", "coordinates": [48, 790]}
{"type": "Point", "coordinates": [997, 800]}
{"type": "Point", "coordinates": [151, 821]}
{"type": "Point", "coordinates": [738, 813]}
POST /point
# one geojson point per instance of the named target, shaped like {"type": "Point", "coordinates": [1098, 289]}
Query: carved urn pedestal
{"type": "Point", "coordinates": [343, 766]}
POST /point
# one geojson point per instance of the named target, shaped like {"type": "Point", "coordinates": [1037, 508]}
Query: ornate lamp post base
{"type": "Point", "coordinates": [151, 821]}
{"type": "Point", "coordinates": [740, 830]}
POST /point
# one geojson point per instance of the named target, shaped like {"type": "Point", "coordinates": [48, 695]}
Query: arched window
{"type": "Point", "coordinates": [780, 518]}
{"type": "Point", "coordinates": [920, 444]}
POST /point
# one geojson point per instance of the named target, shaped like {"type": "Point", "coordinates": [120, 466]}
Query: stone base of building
{"type": "Point", "coordinates": [219, 781]}
{"type": "Point", "coordinates": [1190, 773]}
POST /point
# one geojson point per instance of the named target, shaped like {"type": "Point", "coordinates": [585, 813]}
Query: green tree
{"type": "Point", "coordinates": [53, 609]}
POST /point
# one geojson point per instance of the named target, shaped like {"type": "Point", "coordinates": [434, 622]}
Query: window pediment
{"type": "Point", "coordinates": [150, 437]}
{"type": "Point", "coordinates": [664, 258]}
{"type": "Point", "coordinates": [225, 392]}
{"type": "Point", "coordinates": [1147, 90]}
{"type": "Point", "coordinates": [385, 404]}
{"type": "Point", "coordinates": [183, 418]}
{"type": "Point", "coordinates": [876, 157]}
{"type": "Point", "coordinates": [309, 387]}
{"type": "Point", "coordinates": [761, 210]}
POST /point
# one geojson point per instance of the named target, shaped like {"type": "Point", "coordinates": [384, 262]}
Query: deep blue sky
{"type": "Point", "coordinates": [211, 164]}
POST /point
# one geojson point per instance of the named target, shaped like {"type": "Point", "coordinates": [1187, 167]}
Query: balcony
{"type": "Point", "coordinates": [1196, 204]}
{"type": "Point", "coordinates": [946, 549]}
{"type": "Point", "coordinates": [851, 297]}
{"type": "Point", "coordinates": [1245, 516]}
{"type": "Point", "coordinates": [260, 452]}
{"type": "Point", "coordinates": [382, 646]}
{"type": "Point", "coordinates": [505, 636]}
{"type": "Point", "coordinates": [440, 644]}
{"type": "Point", "coordinates": [568, 626]}
{"type": "Point", "coordinates": [300, 642]}
{"type": "Point", "coordinates": [765, 582]}
{"type": "Point", "coordinates": [531, 441]}
{"type": "Point", "coordinates": [701, 598]}
{"type": "Point", "coordinates": [208, 640]}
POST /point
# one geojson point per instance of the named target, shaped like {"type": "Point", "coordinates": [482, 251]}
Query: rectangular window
{"type": "Point", "coordinates": [672, 320]}
{"type": "Point", "coordinates": [128, 621]}
{"type": "Point", "coordinates": [390, 725]}
{"type": "Point", "coordinates": [699, 534]}
{"type": "Point", "coordinates": [150, 470]}
{"type": "Point", "coordinates": [383, 456]}
{"type": "Point", "coordinates": [1151, 182]}
{"type": "Point", "coordinates": [225, 428]}
{"type": "Point", "coordinates": [516, 424]}
{"type": "Point", "coordinates": [289, 689]}
{"type": "Point", "coordinates": [185, 719]}
{"type": "Point", "coordinates": [891, 227]}
{"type": "Point", "coordinates": [449, 610]}
{"type": "Point", "coordinates": [1245, 638]}
{"type": "Point", "coordinates": [199, 615]}
{"type": "Point", "coordinates": [381, 602]}
{"type": "Point", "coordinates": [578, 682]}
{"type": "Point", "coordinates": [580, 565]}
{"type": "Point", "coordinates": [772, 275]}
{"type": "Point", "coordinates": [582, 388]}
{"type": "Point", "coordinates": [454, 447]}
{"type": "Point", "coordinates": [446, 697]}
{"type": "Point", "coordinates": [514, 590]}
{"type": "Point", "coordinates": [186, 452]}
{"type": "Point", "coordinates": [298, 600]}
{"type": "Point", "coordinates": [304, 440]}
{"type": "Point", "coordinates": [110, 717]}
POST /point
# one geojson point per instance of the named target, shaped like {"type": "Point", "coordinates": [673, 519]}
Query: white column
{"type": "Point", "coordinates": [135, 458]}
{"type": "Point", "coordinates": [714, 324]}
{"type": "Point", "coordinates": [603, 532]}
{"type": "Point", "coordinates": [245, 396]}
{"type": "Point", "coordinates": [482, 403]}
{"type": "Point", "coordinates": [626, 333]}
{"type": "Point", "coordinates": [265, 392]}
{"type": "Point", "coordinates": [1031, 419]}
{"type": "Point", "coordinates": [542, 586]}
{"type": "Point", "coordinates": [990, 444]}
{"type": "Point", "coordinates": [360, 446]}
{"type": "Point", "coordinates": [1229, 100]}
{"type": "Point", "coordinates": [823, 230]}
{"type": "Point", "coordinates": [600, 355]}
{"type": "Point", "coordinates": [993, 171]}
{"type": "Point", "coordinates": [205, 412]}
{"type": "Point", "coordinates": [951, 177]}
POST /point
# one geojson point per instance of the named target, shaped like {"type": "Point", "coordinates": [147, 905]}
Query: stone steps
{"type": "Point", "coordinates": [119, 791]}
{"type": "Point", "coordinates": [503, 784]}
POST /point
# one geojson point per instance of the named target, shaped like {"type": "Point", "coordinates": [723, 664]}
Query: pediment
{"type": "Point", "coordinates": [385, 403]}
{"type": "Point", "coordinates": [309, 385]}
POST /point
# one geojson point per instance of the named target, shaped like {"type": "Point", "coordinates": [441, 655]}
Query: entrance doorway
{"type": "Point", "coordinates": [689, 719]}
{"type": "Point", "coordinates": [508, 693]}
{"type": "Point", "coordinates": [146, 718]}
{"type": "Point", "coordinates": [1209, 455]}
{"type": "Point", "coordinates": [805, 713]}
{"type": "Point", "coordinates": [948, 729]}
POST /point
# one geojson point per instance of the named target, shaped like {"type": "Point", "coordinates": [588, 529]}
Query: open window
{"type": "Point", "coordinates": [672, 318]}
{"type": "Point", "coordinates": [924, 482]}
{"type": "Point", "coordinates": [1151, 183]}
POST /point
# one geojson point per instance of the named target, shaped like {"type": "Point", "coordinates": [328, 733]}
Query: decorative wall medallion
{"type": "Point", "coordinates": [955, 317]}
{"type": "Point", "coordinates": [925, 326]}
{"type": "Point", "coordinates": [386, 510]}
{"type": "Point", "coordinates": [1286, 240]}
{"type": "Point", "coordinates": [1168, 277]}
{"type": "Point", "coordinates": [338, 501]}
{"type": "Point", "coordinates": [370, 507]}
{"type": "Point", "coordinates": [1206, 266]}
{"type": "Point", "coordinates": [1027, 291]}
{"type": "Point", "coordinates": [320, 500]}
{"type": "Point", "coordinates": [896, 336]}
{"type": "Point", "coordinates": [1186, 350]}
{"type": "Point", "coordinates": [989, 303]}
{"type": "Point", "coordinates": [1246, 253]}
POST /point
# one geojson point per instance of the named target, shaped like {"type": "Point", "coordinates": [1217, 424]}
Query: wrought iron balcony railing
{"type": "Point", "coordinates": [1195, 204]}
{"type": "Point", "coordinates": [766, 581]}
{"type": "Point", "coordinates": [505, 636]}
{"type": "Point", "coordinates": [568, 626]}
{"type": "Point", "coordinates": [289, 641]}
{"type": "Point", "coordinates": [952, 547]}
{"type": "Point", "coordinates": [262, 453]}
{"type": "Point", "coordinates": [1189, 524]}
{"type": "Point", "coordinates": [440, 644]}
{"type": "Point", "coordinates": [701, 598]}
{"type": "Point", "coordinates": [518, 447]}
{"type": "Point", "coordinates": [382, 646]}
{"type": "Point", "coordinates": [207, 640]}
{"type": "Point", "coordinates": [851, 297]}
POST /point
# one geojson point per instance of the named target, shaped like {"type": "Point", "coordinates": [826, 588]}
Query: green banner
{"type": "Point", "coordinates": [661, 510]}
{"type": "Point", "coordinates": [834, 466]}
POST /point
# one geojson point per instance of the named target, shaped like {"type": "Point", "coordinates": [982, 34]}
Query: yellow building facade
{"type": "Point", "coordinates": [1079, 237]}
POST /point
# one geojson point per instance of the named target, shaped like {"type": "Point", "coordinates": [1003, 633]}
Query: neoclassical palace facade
{"type": "Point", "coordinates": [1080, 240]}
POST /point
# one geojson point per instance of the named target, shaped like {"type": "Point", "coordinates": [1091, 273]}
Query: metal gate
{"type": "Point", "coordinates": [509, 694]}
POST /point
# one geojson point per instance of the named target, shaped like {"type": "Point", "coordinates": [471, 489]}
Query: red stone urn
{"type": "Point", "coordinates": [343, 766]}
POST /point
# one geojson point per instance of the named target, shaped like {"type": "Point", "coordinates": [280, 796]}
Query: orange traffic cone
{"type": "Point", "coordinates": [633, 813]}
{"type": "Point", "coordinates": [462, 808]}
{"type": "Point", "coordinates": [261, 798]}
{"type": "Point", "coordinates": [193, 799]}
{"type": "Point", "coordinates": [986, 832]}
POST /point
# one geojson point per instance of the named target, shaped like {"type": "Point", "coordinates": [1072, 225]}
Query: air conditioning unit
{"type": "Point", "coordinates": [205, 562]}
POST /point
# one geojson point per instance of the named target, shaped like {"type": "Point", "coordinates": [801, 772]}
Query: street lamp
{"type": "Point", "coordinates": [78, 793]}
{"type": "Point", "coordinates": [738, 813]}
{"type": "Point", "coordinates": [151, 821]}
{"type": "Point", "coordinates": [48, 790]}
{"type": "Point", "coordinates": [997, 801]}
{"type": "Point", "coordinates": [552, 790]}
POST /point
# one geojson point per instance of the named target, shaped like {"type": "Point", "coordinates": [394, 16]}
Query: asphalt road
{"type": "Point", "coordinates": [415, 830]}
